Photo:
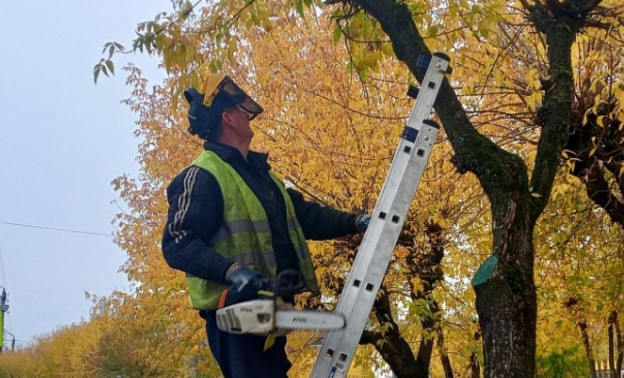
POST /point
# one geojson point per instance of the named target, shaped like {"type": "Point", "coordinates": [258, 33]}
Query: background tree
{"type": "Point", "coordinates": [506, 295]}
{"type": "Point", "coordinates": [330, 124]}
{"type": "Point", "coordinates": [505, 288]}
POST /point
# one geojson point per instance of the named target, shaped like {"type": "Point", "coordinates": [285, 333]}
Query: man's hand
{"type": "Point", "coordinates": [362, 221]}
{"type": "Point", "coordinates": [243, 285]}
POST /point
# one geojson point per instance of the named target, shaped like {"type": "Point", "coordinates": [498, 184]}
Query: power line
{"type": "Point", "coordinates": [57, 229]}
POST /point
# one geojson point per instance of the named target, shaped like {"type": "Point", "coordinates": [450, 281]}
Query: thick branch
{"type": "Point", "coordinates": [556, 113]}
{"type": "Point", "coordinates": [598, 190]}
{"type": "Point", "coordinates": [390, 344]}
{"type": "Point", "coordinates": [498, 170]}
{"type": "Point", "coordinates": [596, 162]}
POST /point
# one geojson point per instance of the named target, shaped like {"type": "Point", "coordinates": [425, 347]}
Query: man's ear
{"type": "Point", "coordinates": [226, 117]}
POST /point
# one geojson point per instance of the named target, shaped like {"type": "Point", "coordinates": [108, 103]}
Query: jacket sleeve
{"type": "Point", "coordinates": [321, 222]}
{"type": "Point", "coordinates": [195, 215]}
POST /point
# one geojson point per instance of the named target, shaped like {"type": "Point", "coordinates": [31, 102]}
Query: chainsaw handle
{"type": "Point", "coordinates": [288, 282]}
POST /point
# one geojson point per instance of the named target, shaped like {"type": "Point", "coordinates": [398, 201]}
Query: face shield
{"type": "Point", "coordinates": [221, 83]}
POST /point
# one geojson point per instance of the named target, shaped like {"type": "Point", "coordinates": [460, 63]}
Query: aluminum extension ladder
{"type": "Point", "coordinates": [373, 257]}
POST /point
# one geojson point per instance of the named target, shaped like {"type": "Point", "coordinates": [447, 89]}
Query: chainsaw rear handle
{"type": "Point", "coordinates": [287, 283]}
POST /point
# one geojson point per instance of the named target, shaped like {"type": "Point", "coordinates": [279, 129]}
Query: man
{"type": "Point", "coordinates": [233, 225]}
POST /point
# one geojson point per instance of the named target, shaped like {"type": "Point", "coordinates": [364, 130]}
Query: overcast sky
{"type": "Point", "coordinates": [62, 140]}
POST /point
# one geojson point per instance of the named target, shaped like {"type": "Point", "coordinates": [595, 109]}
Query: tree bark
{"type": "Point", "coordinates": [506, 303]}
{"type": "Point", "coordinates": [587, 345]}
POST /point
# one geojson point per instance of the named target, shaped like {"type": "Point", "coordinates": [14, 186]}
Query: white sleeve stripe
{"type": "Point", "coordinates": [184, 202]}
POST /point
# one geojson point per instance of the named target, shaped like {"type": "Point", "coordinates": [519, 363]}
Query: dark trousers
{"type": "Point", "coordinates": [242, 356]}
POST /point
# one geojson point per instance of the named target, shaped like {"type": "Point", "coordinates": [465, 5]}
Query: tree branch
{"type": "Point", "coordinates": [498, 170]}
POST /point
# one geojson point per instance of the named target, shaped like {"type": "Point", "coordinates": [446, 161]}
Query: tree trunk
{"type": "Point", "coordinates": [506, 300]}
{"type": "Point", "coordinates": [620, 345]}
{"type": "Point", "coordinates": [587, 345]}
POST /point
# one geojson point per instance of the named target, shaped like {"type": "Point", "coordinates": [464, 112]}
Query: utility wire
{"type": "Point", "coordinates": [57, 229]}
{"type": "Point", "coordinates": [8, 317]}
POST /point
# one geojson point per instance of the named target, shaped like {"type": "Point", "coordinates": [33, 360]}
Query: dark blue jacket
{"type": "Point", "coordinates": [204, 216]}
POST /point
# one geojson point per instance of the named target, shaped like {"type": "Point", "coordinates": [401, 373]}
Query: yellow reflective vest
{"type": "Point", "coordinates": [245, 235]}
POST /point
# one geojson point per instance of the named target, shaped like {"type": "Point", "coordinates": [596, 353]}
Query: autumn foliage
{"type": "Point", "coordinates": [335, 103]}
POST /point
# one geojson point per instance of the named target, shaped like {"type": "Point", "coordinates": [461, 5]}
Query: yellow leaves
{"type": "Point", "coordinates": [453, 10]}
{"type": "Point", "coordinates": [569, 159]}
{"type": "Point", "coordinates": [401, 252]}
{"type": "Point", "coordinates": [387, 49]}
{"type": "Point", "coordinates": [594, 148]}
{"type": "Point", "coordinates": [268, 343]}
{"type": "Point", "coordinates": [561, 189]}
{"type": "Point", "coordinates": [232, 45]}
{"type": "Point", "coordinates": [417, 284]}
{"type": "Point", "coordinates": [484, 30]}
{"type": "Point", "coordinates": [336, 34]}
{"type": "Point", "coordinates": [432, 31]}
{"type": "Point", "coordinates": [534, 100]}
{"type": "Point", "coordinates": [332, 135]}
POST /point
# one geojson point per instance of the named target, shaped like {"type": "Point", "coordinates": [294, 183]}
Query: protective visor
{"type": "Point", "coordinates": [220, 83]}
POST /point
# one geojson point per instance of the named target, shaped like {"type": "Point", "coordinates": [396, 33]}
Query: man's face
{"type": "Point", "coordinates": [238, 119]}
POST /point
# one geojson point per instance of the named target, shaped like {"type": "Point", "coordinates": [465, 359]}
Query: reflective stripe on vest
{"type": "Point", "coordinates": [245, 235]}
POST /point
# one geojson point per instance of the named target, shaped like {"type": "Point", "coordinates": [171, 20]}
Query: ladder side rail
{"type": "Point", "coordinates": [373, 257]}
{"type": "Point", "coordinates": [339, 346]}
{"type": "Point", "coordinates": [401, 163]}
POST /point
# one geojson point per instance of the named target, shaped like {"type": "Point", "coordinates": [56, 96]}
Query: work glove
{"type": "Point", "coordinates": [243, 285]}
{"type": "Point", "coordinates": [362, 221]}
